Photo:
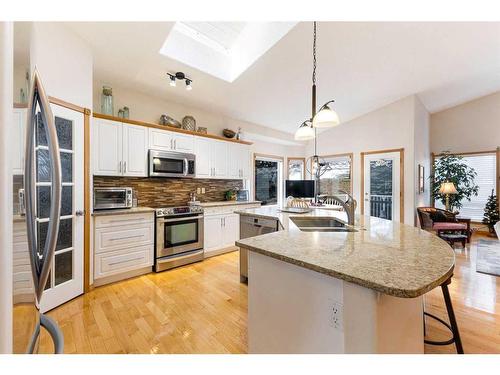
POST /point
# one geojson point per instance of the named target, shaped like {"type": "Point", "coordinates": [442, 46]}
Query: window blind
{"type": "Point", "coordinates": [485, 167]}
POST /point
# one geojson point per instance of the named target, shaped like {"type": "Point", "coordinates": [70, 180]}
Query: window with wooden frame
{"type": "Point", "coordinates": [338, 176]}
{"type": "Point", "coordinates": [296, 168]}
{"type": "Point", "coordinates": [485, 163]}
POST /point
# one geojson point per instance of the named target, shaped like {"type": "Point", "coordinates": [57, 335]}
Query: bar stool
{"type": "Point", "coordinates": [452, 326]}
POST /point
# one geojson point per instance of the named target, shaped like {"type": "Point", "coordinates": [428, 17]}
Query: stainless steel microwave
{"type": "Point", "coordinates": [171, 164]}
{"type": "Point", "coordinates": [112, 197]}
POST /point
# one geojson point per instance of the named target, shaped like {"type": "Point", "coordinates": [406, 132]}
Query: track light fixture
{"type": "Point", "coordinates": [182, 77]}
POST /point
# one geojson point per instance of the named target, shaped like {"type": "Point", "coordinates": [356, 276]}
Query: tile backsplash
{"type": "Point", "coordinates": [164, 192]}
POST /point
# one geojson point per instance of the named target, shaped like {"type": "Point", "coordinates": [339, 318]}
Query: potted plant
{"type": "Point", "coordinates": [452, 168]}
{"type": "Point", "coordinates": [491, 214]}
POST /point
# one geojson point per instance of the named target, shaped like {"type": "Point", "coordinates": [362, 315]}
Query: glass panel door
{"type": "Point", "coordinates": [268, 181]}
{"type": "Point", "coordinates": [382, 185]}
{"type": "Point", "coordinates": [66, 276]}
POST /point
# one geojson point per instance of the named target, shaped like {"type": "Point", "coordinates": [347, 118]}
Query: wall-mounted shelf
{"type": "Point", "coordinates": [169, 128]}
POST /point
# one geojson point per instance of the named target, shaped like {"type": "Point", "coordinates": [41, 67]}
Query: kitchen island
{"type": "Point", "coordinates": [352, 290]}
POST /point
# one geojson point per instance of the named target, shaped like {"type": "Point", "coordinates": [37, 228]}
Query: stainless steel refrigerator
{"type": "Point", "coordinates": [39, 253]}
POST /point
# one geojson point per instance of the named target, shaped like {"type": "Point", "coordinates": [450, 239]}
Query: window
{"type": "Point", "coordinates": [296, 168]}
{"type": "Point", "coordinates": [268, 180]}
{"type": "Point", "coordinates": [485, 166]}
{"type": "Point", "coordinates": [338, 176]}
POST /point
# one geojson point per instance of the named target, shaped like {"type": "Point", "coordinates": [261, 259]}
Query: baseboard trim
{"type": "Point", "coordinates": [224, 250]}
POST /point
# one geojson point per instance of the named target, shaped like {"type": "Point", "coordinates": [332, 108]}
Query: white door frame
{"type": "Point", "coordinates": [61, 293]}
{"type": "Point", "coordinates": [398, 188]}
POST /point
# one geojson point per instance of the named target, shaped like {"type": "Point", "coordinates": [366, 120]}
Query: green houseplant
{"type": "Point", "coordinates": [452, 168]}
{"type": "Point", "coordinates": [491, 214]}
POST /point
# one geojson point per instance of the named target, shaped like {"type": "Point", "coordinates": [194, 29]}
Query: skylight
{"type": "Point", "coordinates": [222, 49]}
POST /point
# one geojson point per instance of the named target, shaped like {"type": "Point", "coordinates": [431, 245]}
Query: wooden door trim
{"type": "Point", "coordinates": [303, 160]}
{"type": "Point", "coordinates": [401, 178]}
{"type": "Point", "coordinates": [86, 183]}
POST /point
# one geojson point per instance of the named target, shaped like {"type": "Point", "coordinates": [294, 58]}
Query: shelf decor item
{"type": "Point", "coordinates": [126, 112]}
{"type": "Point", "coordinates": [228, 133]}
{"type": "Point", "coordinates": [201, 130]}
{"type": "Point", "coordinates": [189, 123]}
{"type": "Point", "coordinates": [107, 101]}
{"type": "Point", "coordinates": [169, 121]}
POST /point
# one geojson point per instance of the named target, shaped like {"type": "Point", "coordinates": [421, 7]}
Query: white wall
{"type": "Point", "coordinates": [149, 108]}
{"type": "Point", "coordinates": [6, 83]}
{"type": "Point", "coordinates": [64, 61]}
{"type": "Point", "coordinates": [388, 127]}
{"type": "Point", "coordinates": [472, 126]}
{"type": "Point", "coordinates": [421, 133]}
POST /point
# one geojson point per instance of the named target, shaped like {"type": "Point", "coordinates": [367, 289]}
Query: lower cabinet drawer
{"type": "Point", "coordinates": [115, 238]}
{"type": "Point", "coordinates": [122, 260]}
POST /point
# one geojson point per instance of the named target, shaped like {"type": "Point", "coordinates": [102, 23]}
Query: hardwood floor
{"type": "Point", "coordinates": [202, 308]}
{"type": "Point", "coordinates": [476, 301]}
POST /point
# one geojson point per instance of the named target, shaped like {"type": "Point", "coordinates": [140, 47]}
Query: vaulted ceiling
{"type": "Point", "coordinates": [361, 65]}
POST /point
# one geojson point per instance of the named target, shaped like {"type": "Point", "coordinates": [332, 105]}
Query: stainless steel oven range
{"type": "Point", "coordinates": [179, 236]}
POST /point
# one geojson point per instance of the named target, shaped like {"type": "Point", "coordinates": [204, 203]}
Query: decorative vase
{"type": "Point", "coordinates": [107, 101]}
{"type": "Point", "coordinates": [189, 123]}
{"type": "Point", "coordinates": [126, 112]}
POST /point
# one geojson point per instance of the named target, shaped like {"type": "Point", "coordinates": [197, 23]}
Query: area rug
{"type": "Point", "coordinates": [488, 257]}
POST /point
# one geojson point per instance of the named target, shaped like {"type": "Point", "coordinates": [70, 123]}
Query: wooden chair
{"type": "Point", "coordinates": [450, 223]}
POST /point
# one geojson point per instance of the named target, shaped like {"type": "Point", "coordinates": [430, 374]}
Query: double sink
{"type": "Point", "coordinates": [321, 224]}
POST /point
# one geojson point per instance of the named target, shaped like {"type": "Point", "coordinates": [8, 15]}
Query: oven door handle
{"type": "Point", "coordinates": [179, 219]}
{"type": "Point", "coordinates": [186, 167]}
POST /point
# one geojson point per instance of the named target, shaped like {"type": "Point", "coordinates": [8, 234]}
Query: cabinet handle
{"type": "Point", "coordinates": [120, 167]}
{"type": "Point", "coordinates": [124, 167]}
{"type": "Point", "coordinates": [175, 144]}
{"type": "Point", "coordinates": [126, 238]}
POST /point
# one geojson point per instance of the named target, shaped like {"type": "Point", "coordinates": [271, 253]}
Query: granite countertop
{"type": "Point", "coordinates": [123, 211]}
{"type": "Point", "coordinates": [392, 258]}
{"type": "Point", "coordinates": [226, 203]}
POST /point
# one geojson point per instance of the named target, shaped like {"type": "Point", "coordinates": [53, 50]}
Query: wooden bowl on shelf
{"type": "Point", "coordinates": [228, 133]}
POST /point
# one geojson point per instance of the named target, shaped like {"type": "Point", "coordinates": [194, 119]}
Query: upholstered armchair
{"type": "Point", "coordinates": [440, 221]}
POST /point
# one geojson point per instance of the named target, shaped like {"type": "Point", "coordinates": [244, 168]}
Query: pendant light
{"type": "Point", "coordinates": [305, 132]}
{"type": "Point", "coordinates": [326, 117]}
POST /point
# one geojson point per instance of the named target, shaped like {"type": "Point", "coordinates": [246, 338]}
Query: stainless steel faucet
{"type": "Point", "coordinates": [349, 205]}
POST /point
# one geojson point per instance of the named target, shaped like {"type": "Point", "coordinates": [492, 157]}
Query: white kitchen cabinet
{"type": "Point", "coordinates": [203, 162]}
{"type": "Point", "coordinates": [107, 147]}
{"type": "Point", "coordinates": [122, 244]}
{"type": "Point", "coordinates": [183, 142]}
{"type": "Point", "coordinates": [170, 141]}
{"type": "Point", "coordinates": [220, 232]}
{"type": "Point", "coordinates": [18, 140]}
{"type": "Point", "coordinates": [135, 150]}
{"type": "Point", "coordinates": [238, 161]}
{"type": "Point", "coordinates": [230, 229]}
{"type": "Point", "coordinates": [219, 159]}
{"type": "Point", "coordinates": [212, 227]}
{"type": "Point", "coordinates": [211, 158]}
{"type": "Point", "coordinates": [119, 149]}
{"type": "Point", "coordinates": [245, 162]}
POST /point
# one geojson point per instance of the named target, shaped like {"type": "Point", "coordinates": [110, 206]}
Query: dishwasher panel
{"type": "Point", "coordinates": [251, 226]}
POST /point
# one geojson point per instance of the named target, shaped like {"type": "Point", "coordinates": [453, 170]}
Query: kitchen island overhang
{"type": "Point", "coordinates": [341, 292]}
